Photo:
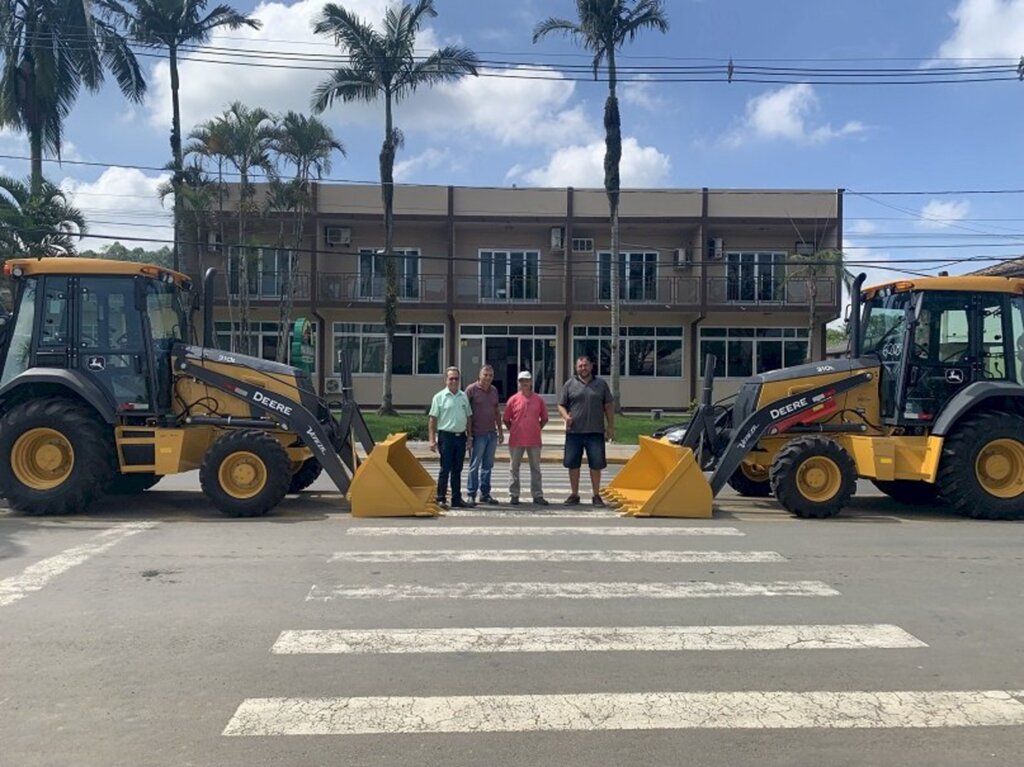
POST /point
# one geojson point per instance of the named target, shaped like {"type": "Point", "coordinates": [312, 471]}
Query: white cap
{"type": "Point", "coordinates": [525, 376]}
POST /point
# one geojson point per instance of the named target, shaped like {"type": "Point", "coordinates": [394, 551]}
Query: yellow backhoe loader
{"type": "Point", "coordinates": [102, 392]}
{"type": "Point", "coordinates": [929, 406]}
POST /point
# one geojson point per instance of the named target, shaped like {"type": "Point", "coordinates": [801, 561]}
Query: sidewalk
{"type": "Point", "coordinates": [554, 440]}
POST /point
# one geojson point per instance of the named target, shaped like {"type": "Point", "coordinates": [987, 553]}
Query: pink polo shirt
{"type": "Point", "coordinates": [523, 416]}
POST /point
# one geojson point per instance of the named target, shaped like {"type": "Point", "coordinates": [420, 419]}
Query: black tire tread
{"type": "Point", "coordinates": [747, 487]}
{"type": "Point", "coordinates": [783, 476]}
{"type": "Point", "coordinates": [305, 476]}
{"type": "Point", "coordinates": [274, 457]}
{"type": "Point", "coordinates": [957, 480]}
{"type": "Point", "coordinates": [91, 439]}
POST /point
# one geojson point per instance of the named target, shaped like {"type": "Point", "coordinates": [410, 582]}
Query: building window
{"type": "Point", "coordinates": [638, 276]}
{"type": "Point", "coordinates": [418, 349]}
{"type": "Point", "coordinates": [582, 244]}
{"type": "Point", "coordinates": [509, 274]}
{"type": "Point", "coordinates": [263, 340]}
{"type": "Point", "coordinates": [755, 277]}
{"type": "Point", "coordinates": [644, 352]}
{"type": "Point", "coordinates": [741, 352]}
{"type": "Point", "coordinates": [372, 278]}
{"type": "Point", "coordinates": [268, 270]}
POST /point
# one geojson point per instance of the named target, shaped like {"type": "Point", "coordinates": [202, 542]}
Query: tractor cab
{"type": "Point", "coordinates": [109, 323]}
{"type": "Point", "coordinates": [935, 336]}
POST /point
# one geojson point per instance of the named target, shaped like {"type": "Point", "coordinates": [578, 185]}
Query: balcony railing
{"type": "Point", "coordinates": [263, 286]}
{"type": "Point", "coordinates": [794, 292]}
{"type": "Point", "coordinates": [663, 290]}
{"type": "Point", "coordinates": [423, 288]}
{"type": "Point", "coordinates": [547, 289]}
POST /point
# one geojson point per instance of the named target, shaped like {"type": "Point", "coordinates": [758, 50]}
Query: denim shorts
{"type": "Point", "coordinates": [575, 444]}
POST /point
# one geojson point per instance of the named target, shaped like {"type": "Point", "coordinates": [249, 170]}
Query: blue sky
{"type": "Point", "coordinates": [500, 131]}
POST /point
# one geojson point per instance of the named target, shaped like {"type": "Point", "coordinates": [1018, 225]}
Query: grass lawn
{"type": "Point", "coordinates": [627, 427]}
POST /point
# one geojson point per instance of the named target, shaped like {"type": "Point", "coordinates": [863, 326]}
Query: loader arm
{"type": "Point", "coordinates": [291, 415]}
{"type": "Point", "coordinates": [790, 413]}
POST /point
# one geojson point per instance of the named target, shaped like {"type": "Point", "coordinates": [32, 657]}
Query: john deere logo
{"type": "Point", "coordinates": [96, 364]}
{"type": "Point", "coordinates": [954, 376]}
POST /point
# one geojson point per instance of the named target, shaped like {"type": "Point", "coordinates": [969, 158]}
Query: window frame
{"type": "Point", "coordinates": [508, 277]}
{"type": "Point", "coordinates": [630, 335]}
{"type": "Point", "coordinates": [375, 332]}
{"type": "Point", "coordinates": [404, 257]}
{"type": "Point", "coordinates": [647, 260]}
{"type": "Point", "coordinates": [727, 334]}
{"type": "Point", "coordinates": [762, 261]}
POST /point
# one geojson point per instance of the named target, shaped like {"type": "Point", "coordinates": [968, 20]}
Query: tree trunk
{"type": "Point", "coordinates": [243, 267]}
{"type": "Point", "coordinates": [387, 189]}
{"type": "Point", "coordinates": [176, 154]}
{"type": "Point", "coordinates": [34, 124]}
{"type": "Point", "coordinates": [612, 157]}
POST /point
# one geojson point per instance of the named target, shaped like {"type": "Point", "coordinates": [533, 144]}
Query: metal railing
{"type": "Point", "coordinates": [545, 289]}
{"type": "Point", "coordinates": [796, 291]}
{"type": "Point", "coordinates": [663, 290]}
{"type": "Point", "coordinates": [263, 286]}
{"type": "Point", "coordinates": [425, 288]}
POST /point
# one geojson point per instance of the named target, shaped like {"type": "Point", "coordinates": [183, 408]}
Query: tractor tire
{"type": "Point", "coordinates": [246, 473]}
{"type": "Point", "coordinates": [909, 491]}
{"type": "Point", "coordinates": [131, 484]}
{"type": "Point", "coordinates": [813, 477]}
{"type": "Point", "coordinates": [749, 484]}
{"type": "Point", "coordinates": [981, 473]}
{"type": "Point", "coordinates": [56, 456]}
{"type": "Point", "coordinates": [305, 476]}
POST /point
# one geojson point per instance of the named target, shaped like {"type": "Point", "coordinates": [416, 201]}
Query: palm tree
{"type": "Point", "coordinates": [306, 143]}
{"type": "Point", "coordinates": [51, 49]}
{"type": "Point", "coordinates": [37, 225]}
{"type": "Point", "coordinates": [249, 133]}
{"type": "Point", "coordinates": [603, 27]}
{"type": "Point", "coordinates": [172, 24]}
{"type": "Point", "coordinates": [197, 192]}
{"type": "Point", "coordinates": [811, 269]}
{"type": "Point", "coordinates": [386, 65]}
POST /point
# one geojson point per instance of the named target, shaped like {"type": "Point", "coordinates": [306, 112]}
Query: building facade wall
{"type": "Point", "coordinates": [521, 278]}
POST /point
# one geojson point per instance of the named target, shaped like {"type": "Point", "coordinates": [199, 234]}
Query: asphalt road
{"type": "Point", "coordinates": [152, 631]}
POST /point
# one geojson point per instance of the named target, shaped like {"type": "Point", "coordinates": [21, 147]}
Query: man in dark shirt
{"type": "Point", "coordinates": [585, 402]}
{"type": "Point", "coordinates": [486, 429]}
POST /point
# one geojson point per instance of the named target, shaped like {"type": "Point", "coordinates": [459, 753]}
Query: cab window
{"type": "Point", "coordinates": [1017, 337]}
{"type": "Point", "coordinates": [19, 347]}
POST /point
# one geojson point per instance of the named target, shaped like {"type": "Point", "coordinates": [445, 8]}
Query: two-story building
{"type": "Point", "coordinates": [521, 279]}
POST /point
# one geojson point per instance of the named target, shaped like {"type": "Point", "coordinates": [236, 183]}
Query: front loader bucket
{"type": "Point", "coordinates": [392, 483]}
{"type": "Point", "coordinates": [661, 480]}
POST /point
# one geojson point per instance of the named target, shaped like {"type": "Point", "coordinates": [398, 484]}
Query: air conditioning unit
{"type": "Point", "coordinates": [716, 249]}
{"type": "Point", "coordinates": [558, 238]}
{"type": "Point", "coordinates": [803, 248]}
{"type": "Point", "coordinates": [681, 258]}
{"type": "Point", "coordinates": [332, 385]}
{"type": "Point", "coordinates": [213, 242]}
{"type": "Point", "coordinates": [337, 235]}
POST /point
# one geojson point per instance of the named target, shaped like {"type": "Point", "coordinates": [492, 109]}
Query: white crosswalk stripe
{"type": "Point", "coordinates": [559, 555]}
{"type": "Point", "coordinates": [594, 639]}
{"type": "Point", "coordinates": [636, 711]}
{"type": "Point", "coordinates": [585, 590]}
{"type": "Point", "coordinates": [466, 530]}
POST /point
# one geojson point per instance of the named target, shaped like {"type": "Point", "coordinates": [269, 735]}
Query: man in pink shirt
{"type": "Point", "coordinates": [525, 416]}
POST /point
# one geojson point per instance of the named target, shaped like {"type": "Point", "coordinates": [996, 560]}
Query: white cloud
{"type": "Point", "coordinates": [583, 166]}
{"type": "Point", "coordinates": [861, 226]}
{"type": "Point", "coordinates": [941, 214]}
{"type": "Point", "coordinates": [207, 88]}
{"type": "Point", "coordinates": [642, 95]}
{"type": "Point", "coordinates": [784, 115]}
{"type": "Point", "coordinates": [426, 160]}
{"type": "Point", "coordinates": [122, 203]}
{"type": "Point", "coordinates": [984, 29]}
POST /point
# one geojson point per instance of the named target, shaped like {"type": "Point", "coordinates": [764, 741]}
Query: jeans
{"type": "Point", "coordinates": [481, 461]}
{"type": "Point", "coordinates": [452, 450]}
{"type": "Point", "coordinates": [533, 456]}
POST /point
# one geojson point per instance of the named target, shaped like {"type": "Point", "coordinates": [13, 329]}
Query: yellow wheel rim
{"type": "Point", "coordinates": [818, 479]}
{"type": "Point", "coordinates": [42, 458]}
{"type": "Point", "coordinates": [242, 475]}
{"type": "Point", "coordinates": [754, 473]}
{"type": "Point", "coordinates": [1000, 468]}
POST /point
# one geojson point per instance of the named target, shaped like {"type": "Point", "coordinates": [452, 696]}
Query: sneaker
{"type": "Point", "coordinates": [471, 502]}
{"type": "Point", "coordinates": [489, 499]}
{"type": "Point", "coordinates": [597, 500]}
{"type": "Point", "coordinates": [572, 500]}
{"type": "Point", "coordinates": [541, 502]}
{"type": "Point", "coordinates": [514, 501]}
